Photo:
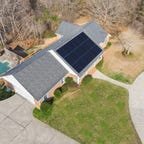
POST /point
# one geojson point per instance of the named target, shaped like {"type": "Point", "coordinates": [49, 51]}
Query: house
{"type": "Point", "coordinates": [75, 55]}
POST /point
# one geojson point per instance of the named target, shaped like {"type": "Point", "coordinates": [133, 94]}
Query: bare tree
{"type": "Point", "coordinates": [127, 45]}
{"type": "Point", "coordinates": [138, 22]}
{"type": "Point", "coordinates": [112, 14]}
{"type": "Point", "coordinates": [17, 20]}
{"type": "Point", "coordinates": [23, 19]}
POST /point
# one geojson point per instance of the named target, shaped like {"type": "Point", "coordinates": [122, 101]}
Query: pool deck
{"type": "Point", "coordinates": [4, 67]}
{"type": "Point", "coordinates": [9, 57]}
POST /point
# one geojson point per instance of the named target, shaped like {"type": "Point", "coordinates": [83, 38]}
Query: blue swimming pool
{"type": "Point", "coordinates": [4, 67]}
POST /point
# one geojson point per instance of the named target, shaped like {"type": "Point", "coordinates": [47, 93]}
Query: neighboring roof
{"type": "Point", "coordinates": [67, 29]}
{"type": "Point", "coordinates": [95, 32]}
{"type": "Point", "coordinates": [92, 29]}
{"type": "Point", "coordinates": [39, 74]}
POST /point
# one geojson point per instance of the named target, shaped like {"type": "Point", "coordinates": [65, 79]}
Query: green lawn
{"type": "Point", "coordinates": [97, 113]}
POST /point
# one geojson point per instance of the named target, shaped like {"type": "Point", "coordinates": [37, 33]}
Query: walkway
{"type": "Point", "coordinates": [136, 105]}
{"type": "Point", "coordinates": [18, 126]}
{"type": "Point", "coordinates": [136, 100]}
{"type": "Point", "coordinates": [100, 75]}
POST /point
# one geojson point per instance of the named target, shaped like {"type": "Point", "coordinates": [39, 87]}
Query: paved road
{"type": "Point", "coordinates": [18, 126]}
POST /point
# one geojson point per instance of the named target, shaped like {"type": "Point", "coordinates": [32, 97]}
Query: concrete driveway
{"type": "Point", "coordinates": [18, 126]}
{"type": "Point", "coordinates": [136, 105]}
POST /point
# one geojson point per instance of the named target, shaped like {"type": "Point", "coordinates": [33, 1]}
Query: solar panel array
{"type": "Point", "coordinates": [79, 52]}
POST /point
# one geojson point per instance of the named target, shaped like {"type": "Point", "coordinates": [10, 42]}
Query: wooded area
{"type": "Point", "coordinates": [23, 19]}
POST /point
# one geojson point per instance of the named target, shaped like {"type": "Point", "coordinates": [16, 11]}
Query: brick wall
{"type": "Point", "coordinates": [90, 71]}
{"type": "Point", "coordinates": [51, 92]}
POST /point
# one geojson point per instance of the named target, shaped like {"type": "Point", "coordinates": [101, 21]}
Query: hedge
{"type": "Point", "coordinates": [64, 88]}
{"type": "Point", "coordinates": [46, 107]}
{"type": "Point", "coordinates": [5, 93]}
{"type": "Point", "coordinates": [87, 79]}
{"type": "Point", "coordinates": [70, 82]}
{"type": "Point", "coordinates": [58, 92]}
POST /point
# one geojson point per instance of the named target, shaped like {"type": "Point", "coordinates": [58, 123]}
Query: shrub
{"type": "Point", "coordinates": [64, 88]}
{"type": "Point", "coordinates": [70, 82]}
{"type": "Point", "coordinates": [5, 93]}
{"type": "Point", "coordinates": [46, 107]}
{"type": "Point", "coordinates": [87, 79]}
{"type": "Point", "coordinates": [48, 34]}
{"type": "Point", "coordinates": [100, 64]}
{"type": "Point", "coordinates": [121, 77]}
{"type": "Point", "coordinates": [58, 92]}
{"type": "Point", "coordinates": [108, 45]}
{"type": "Point", "coordinates": [49, 100]}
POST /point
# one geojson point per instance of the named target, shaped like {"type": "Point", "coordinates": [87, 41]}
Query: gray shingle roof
{"type": "Point", "coordinates": [67, 29]}
{"type": "Point", "coordinates": [95, 32]}
{"type": "Point", "coordinates": [39, 74]}
{"type": "Point", "coordinates": [42, 71]}
{"type": "Point", "coordinates": [64, 41]}
{"type": "Point", "coordinates": [92, 29]}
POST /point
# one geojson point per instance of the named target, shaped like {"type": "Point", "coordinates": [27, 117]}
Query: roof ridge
{"type": "Point", "coordinates": [64, 21]}
{"type": "Point", "coordinates": [27, 62]}
{"type": "Point", "coordinates": [87, 24]}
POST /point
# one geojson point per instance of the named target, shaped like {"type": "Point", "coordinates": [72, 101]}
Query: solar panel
{"type": "Point", "coordinates": [79, 52]}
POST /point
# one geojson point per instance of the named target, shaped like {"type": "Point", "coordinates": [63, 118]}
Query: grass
{"type": "Point", "coordinates": [121, 77]}
{"type": "Point", "coordinates": [108, 45]}
{"type": "Point", "coordinates": [97, 113]}
{"type": "Point", "coordinates": [33, 50]}
{"type": "Point", "coordinates": [99, 66]}
{"type": "Point", "coordinates": [48, 34]}
{"type": "Point", "coordinates": [116, 76]}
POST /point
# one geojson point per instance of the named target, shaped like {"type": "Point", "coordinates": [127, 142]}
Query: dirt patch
{"type": "Point", "coordinates": [49, 41]}
{"type": "Point", "coordinates": [131, 65]}
{"type": "Point", "coordinates": [83, 20]}
{"type": "Point", "coordinates": [72, 94]}
{"type": "Point", "coordinates": [46, 43]}
{"type": "Point", "coordinates": [26, 44]}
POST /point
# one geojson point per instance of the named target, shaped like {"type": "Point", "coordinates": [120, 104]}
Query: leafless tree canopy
{"type": "Point", "coordinates": [22, 19]}
{"type": "Point", "coordinates": [16, 20]}
{"type": "Point", "coordinates": [112, 14]}
{"type": "Point", "coordinates": [138, 22]}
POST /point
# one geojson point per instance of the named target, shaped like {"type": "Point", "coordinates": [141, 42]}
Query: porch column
{"type": "Point", "coordinates": [78, 80]}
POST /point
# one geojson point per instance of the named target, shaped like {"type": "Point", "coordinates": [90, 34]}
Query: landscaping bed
{"type": "Point", "coordinates": [5, 93]}
{"type": "Point", "coordinates": [94, 113]}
